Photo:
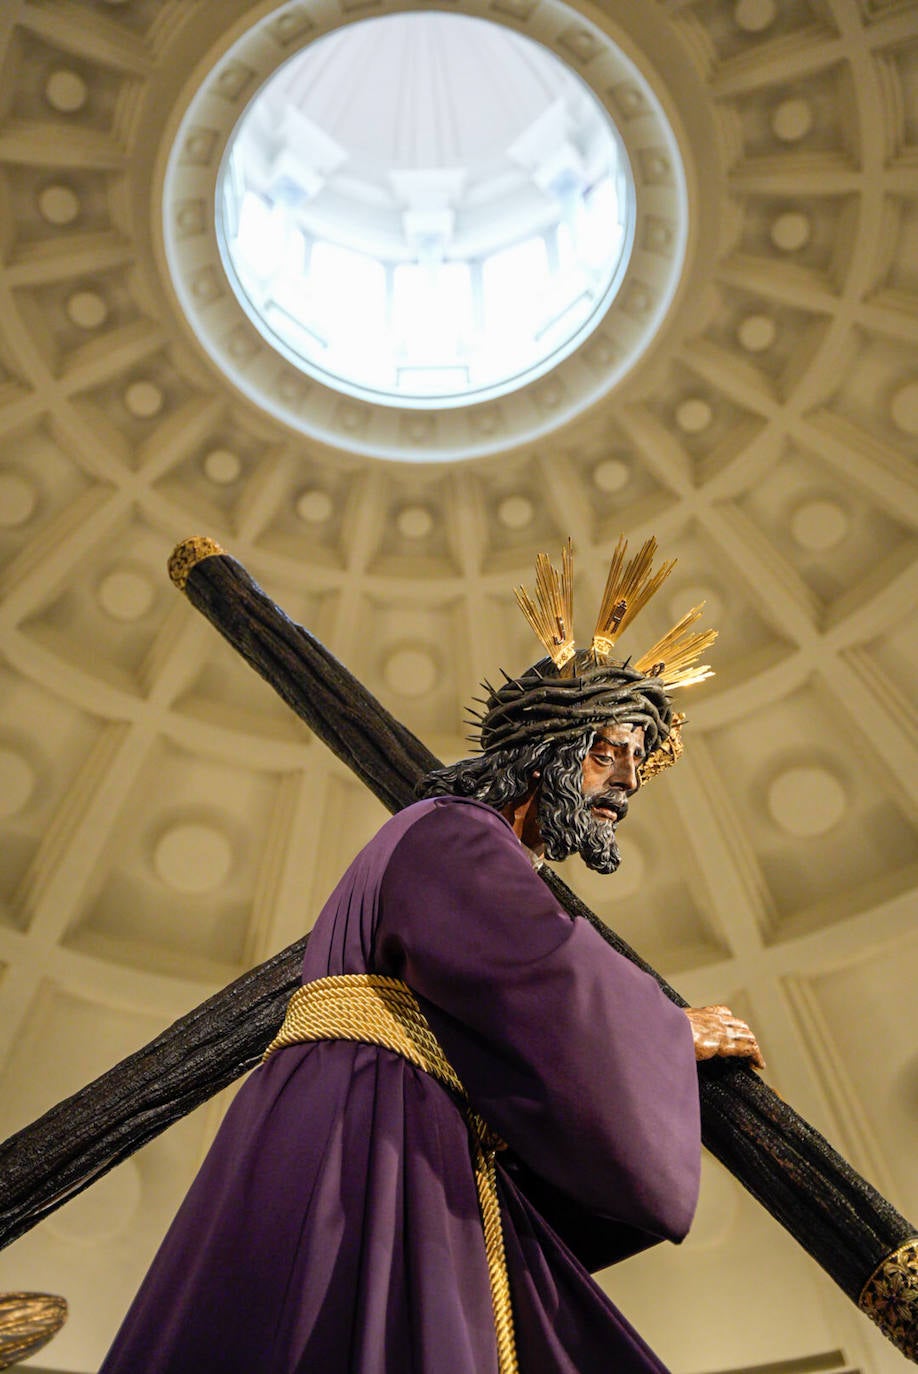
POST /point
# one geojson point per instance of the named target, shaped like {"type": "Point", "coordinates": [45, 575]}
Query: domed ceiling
{"type": "Point", "coordinates": [166, 822]}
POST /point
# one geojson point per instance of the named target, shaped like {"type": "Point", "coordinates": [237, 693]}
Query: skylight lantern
{"type": "Point", "coordinates": [439, 238]}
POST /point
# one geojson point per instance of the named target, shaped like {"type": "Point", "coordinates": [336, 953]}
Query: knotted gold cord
{"type": "Point", "coordinates": [384, 1011]}
{"type": "Point", "coordinates": [27, 1322]}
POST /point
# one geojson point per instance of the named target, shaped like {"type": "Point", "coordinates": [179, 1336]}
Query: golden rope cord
{"type": "Point", "coordinates": [375, 1010]}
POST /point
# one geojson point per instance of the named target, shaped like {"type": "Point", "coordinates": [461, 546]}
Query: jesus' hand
{"type": "Point", "coordinates": [716, 1031]}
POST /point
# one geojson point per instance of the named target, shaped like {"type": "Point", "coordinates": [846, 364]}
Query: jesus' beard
{"type": "Point", "coordinates": [567, 821]}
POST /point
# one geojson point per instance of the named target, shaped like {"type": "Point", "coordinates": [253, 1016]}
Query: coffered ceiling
{"type": "Point", "coordinates": [166, 822]}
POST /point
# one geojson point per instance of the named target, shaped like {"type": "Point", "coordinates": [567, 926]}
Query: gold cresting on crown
{"type": "Point", "coordinates": [629, 586]}
{"type": "Point", "coordinates": [551, 615]}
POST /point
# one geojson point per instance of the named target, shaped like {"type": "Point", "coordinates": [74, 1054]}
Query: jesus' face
{"type": "Point", "coordinates": [582, 818]}
{"type": "Point", "coordinates": [610, 769]}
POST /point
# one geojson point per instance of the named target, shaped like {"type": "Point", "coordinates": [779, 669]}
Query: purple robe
{"type": "Point", "coordinates": [334, 1225]}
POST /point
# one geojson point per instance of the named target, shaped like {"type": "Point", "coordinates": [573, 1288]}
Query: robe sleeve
{"type": "Point", "coordinates": [571, 1053]}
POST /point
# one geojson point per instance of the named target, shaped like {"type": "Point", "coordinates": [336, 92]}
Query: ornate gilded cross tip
{"type": "Point", "coordinates": [186, 555]}
{"type": "Point", "coordinates": [890, 1298]}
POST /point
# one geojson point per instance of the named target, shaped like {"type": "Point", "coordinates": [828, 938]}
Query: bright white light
{"type": "Point", "coordinates": [415, 284]}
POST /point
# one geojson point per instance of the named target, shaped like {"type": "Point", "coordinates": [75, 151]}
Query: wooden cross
{"type": "Point", "coordinates": [858, 1237]}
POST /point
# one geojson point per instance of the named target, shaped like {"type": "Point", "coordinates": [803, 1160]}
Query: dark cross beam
{"type": "Point", "coordinates": [858, 1237]}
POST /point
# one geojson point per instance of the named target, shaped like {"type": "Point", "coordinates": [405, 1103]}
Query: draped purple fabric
{"type": "Point", "coordinates": [334, 1225]}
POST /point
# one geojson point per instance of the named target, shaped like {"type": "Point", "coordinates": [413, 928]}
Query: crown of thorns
{"type": "Point", "coordinates": [572, 688]}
